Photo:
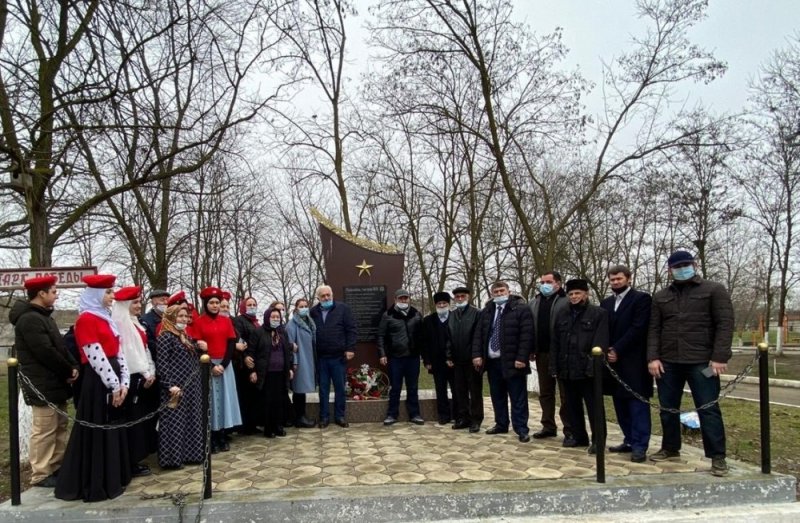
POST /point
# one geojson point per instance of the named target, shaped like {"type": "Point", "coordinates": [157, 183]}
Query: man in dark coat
{"type": "Point", "coordinates": [629, 315]}
{"type": "Point", "coordinates": [578, 329]}
{"type": "Point", "coordinates": [399, 348]}
{"type": "Point", "coordinates": [550, 299]}
{"type": "Point", "coordinates": [435, 340]}
{"type": "Point", "coordinates": [689, 341]}
{"type": "Point", "coordinates": [468, 391]}
{"type": "Point", "coordinates": [152, 319]}
{"type": "Point", "coordinates": [502, 345]}
{"type": "Point", "coordinates": [336, 342]}
{"type": "Point", "coordinates": [45, 361]}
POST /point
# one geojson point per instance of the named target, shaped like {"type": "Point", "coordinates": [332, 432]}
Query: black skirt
{"type": "Point", "coordinates": [142, 438]}
{"type": "Point", "coordinates": [97, 462]}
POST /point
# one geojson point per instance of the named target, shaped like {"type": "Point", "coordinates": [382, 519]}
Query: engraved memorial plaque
{"type": "Point", "coordinates": [367, 303]}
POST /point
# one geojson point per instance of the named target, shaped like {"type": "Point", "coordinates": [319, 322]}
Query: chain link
{"type": "Point", "coordinates": [150, 415]}
{"type": "Point", "coordinates": [178, 498]}
{"type": "Point", "coordinates": [724, 391]}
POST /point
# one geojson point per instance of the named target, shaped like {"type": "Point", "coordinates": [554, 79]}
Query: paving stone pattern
{"type": "Point", "coordinates": [371, 454]}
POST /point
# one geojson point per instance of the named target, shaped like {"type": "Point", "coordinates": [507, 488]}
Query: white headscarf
{"type": "Point", "coordinates": [92, 302]}
{"type": "Point", "coordinates": [130, 339]}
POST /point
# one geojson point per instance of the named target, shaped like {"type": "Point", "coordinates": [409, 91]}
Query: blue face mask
{"type": "Point", "coordinates": [683, 273]}
{"type": "Point", "coordinates": [251, 311]}
{"type": "Point", "coordinates": [303, 311]}
{"type": "Point", "coordinates": [547, 289]}
{"type": "Point", "coordinates": [461, 305]}
{"type": "Point", "coordinates": [274, 323]}
{"type": "Point", "coordinates": [500, 300]}
{"type": "Point", "coordinates": [327, 304]}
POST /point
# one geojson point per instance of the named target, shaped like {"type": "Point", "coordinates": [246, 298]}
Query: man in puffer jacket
{"type": "Point", "coordinates": [44, 360]}
{"type": "Point", "coordinates": [502, 346]}
{"type": "Point", "coordinates": [399, 349]}
{"type": "Point", "coordinates": [689, 340]}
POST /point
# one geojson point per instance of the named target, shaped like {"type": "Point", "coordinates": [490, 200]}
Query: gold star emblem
{"type": "Point", "coordinates": [364, 267]}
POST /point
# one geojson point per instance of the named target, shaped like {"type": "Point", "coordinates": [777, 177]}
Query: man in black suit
{"type": "Point", "coordinates": [629, 317]}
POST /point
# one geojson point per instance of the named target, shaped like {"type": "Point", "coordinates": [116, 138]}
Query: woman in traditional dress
{"type": "Point", "coordinates": [217, 331]}
{"type": "Point", "coordinates": [142, 397]}
{"type": "Point", "coordinates": [302, 333]}
{"type": "Point", "coordinates": [97, 463]}
{"type": "Point", "coordinates": [273, 358]}
{"type": "Point", "coordinates": [247, 326]}
{"type": "Point", "coordinates": [180, 426]}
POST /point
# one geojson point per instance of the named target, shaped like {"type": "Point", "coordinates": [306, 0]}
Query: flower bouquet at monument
{"type": "Point", "coordinates": [367, 383]}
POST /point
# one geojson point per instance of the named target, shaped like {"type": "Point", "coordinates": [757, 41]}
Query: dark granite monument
{"type": "Point", "coordinates": [364, 274]}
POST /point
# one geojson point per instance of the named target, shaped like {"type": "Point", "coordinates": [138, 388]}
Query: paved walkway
{"type": "Point", "coordinates": [371, 454]}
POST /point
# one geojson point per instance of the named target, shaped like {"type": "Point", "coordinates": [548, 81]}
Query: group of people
{"type": "Point", "coordinates": [681, 335]}
{"type": "Point", "coordinates": [125, 366]}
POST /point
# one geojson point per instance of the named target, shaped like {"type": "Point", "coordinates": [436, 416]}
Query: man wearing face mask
{"type": "Point", "coordinates": [468, 391]}
{"type": "Point", "coordinates": [502, 346]}
{"type": "Point", "coordinates": [578, 329]}
{"type": "Point", "coordinates": [158, 304]}
{"type": "Point", "coordinates": [629, 315]}
{"type": "Point", "coordinates": [435, 339]}
{"type": "Point", "coordinates": [399, 349]}
{"type": "Point", "coordinates": [689, 341]}
{"type": "Point", "coordinates": [550, 300]}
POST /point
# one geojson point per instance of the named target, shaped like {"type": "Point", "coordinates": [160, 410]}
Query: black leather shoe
{"type": "Point", "coordinates": [324, 423]}
{"type": "Point", "coordinates": [496, 430]}
{"type": "Point", "coordinates": [342, 423]}
{"type": "Point", "coordinates": [524, 438]}
{"type": "Point", "coordinates": [140, 470]}
{"type": "Point", "coordinates": [638, 456]}
{"type": "Point", "coordinates": [592, 449]}
{"type": "Point", "coordinates": [474, 428]}
{"type": "Point", "coordinates": [305, 423]}
{"type": "Point", "coordinates": [544, 434]}
{"type": "Point", "coordinates": [569, 443]}
{"type": "Point", "coordinates": [622, 447]}
{"type": "Point", "coordinates": [281, 432]}
{"type": "Point", "coordinates": [48, 482]}
{"type": "Point", "coordinates": [458, 425]}
{"type": "Point", "coordinates": [224, 446]}
{"type": "Point", "coordinates": [270, 435]}
{"type": "Point", "coordinates": [444, 421]}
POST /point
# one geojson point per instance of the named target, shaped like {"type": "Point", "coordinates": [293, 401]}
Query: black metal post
{"type": "Point", "coordinates": [763, 394]}
{"type": "Point", "coordinates": [13, 429]}
{"type": "Point", "coordinates": [205, 364]}
{"type": "Point", "coordinates": [599, 432]}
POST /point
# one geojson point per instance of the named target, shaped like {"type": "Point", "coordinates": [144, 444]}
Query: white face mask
{"type": "Point", "coordinates": [180, 326]}
{"type": "Point", "coordinates": [161, 308]}
{"type": "Point", "coordinates": [402, 306]}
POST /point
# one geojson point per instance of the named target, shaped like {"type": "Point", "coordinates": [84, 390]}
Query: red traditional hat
{"type": "Point", "coordinates": [41, 282]}
{"type": "Point", "coordinates": [100, 281]}
{"type": "Point", "coordinates": [211, 292]}
{"type": "Point", "coordinates": [128, 293]}
{"type": "Point", "coordinates": [176, 298]}
{"type": "Point", "coordinates": [226, 295]}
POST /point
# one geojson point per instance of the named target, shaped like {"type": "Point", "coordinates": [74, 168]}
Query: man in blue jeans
{"type": "Point", "coordinates": [689, 341]}
{"type": "Point", "coordinates": [399, 347]}
{"type": "Point", "coordinates": [336, 341]}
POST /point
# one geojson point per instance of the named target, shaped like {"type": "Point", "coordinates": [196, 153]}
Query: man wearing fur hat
{"type": "Point", "coordinates": [435, 339]}
{"type": "Point", "coordinates": [689, 341]}
{"type": "Point", "coordinates": [578, 329]}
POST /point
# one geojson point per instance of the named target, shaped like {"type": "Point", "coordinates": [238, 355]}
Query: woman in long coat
{"type": "Point", "coordinates": [273, 370]}
{"type": "Point", "coordinates": [302, 333]}
{"type": "Point", "coordinates": [97, 463]}
{"type": "Point", "coordinates": [180, 426]}
{"type": "Point", "coordinates": [247, 326]}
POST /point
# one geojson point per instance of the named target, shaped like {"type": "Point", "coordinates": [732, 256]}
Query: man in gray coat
{"type": "Point", "coordinates": [689, 340]}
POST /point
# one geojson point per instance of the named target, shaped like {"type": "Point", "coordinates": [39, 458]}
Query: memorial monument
{"type": "Point", "coordinates": [364, 274]}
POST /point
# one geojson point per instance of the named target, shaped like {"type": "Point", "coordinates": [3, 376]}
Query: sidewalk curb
{"type": "Point", "coordinates": [773, 382]}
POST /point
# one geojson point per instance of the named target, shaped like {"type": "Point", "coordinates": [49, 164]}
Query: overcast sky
{"type": "Point", "coordinates": [743, 33]}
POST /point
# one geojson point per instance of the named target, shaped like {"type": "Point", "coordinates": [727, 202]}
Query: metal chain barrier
{"type": "Point", "coordinates": [24, 379]}
{"type": "Point", "coordinates": [724, 391]}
